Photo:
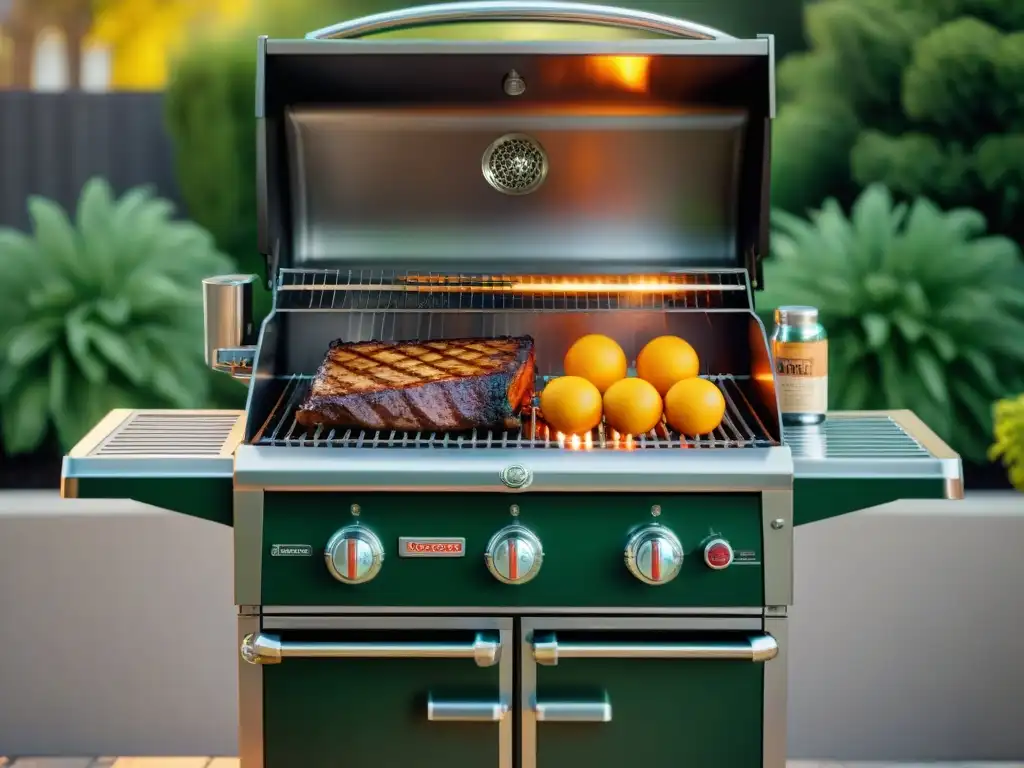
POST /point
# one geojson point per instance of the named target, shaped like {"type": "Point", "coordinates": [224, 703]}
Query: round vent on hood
{"type": "Point", "coordinates": [515, 164]}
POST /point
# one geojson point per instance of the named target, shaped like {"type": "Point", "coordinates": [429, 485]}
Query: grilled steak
{"type": "Point", "coordinates": [430, 386]}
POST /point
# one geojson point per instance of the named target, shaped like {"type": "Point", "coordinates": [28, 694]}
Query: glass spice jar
{"type": "Point", "coordinates": [800, 357]}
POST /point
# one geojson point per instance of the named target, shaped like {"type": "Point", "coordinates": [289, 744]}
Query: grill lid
{"type": "Point", "coordinates": [587, 157]}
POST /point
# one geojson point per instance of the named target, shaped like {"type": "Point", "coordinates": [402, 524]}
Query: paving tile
{"type": "Point", "coordinates": [234, 762]}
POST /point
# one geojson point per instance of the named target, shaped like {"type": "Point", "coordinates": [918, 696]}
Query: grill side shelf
{"type": "Point", "coordinates": [862, 459]}
{"type": "Point", "coordinates": [181, 461]}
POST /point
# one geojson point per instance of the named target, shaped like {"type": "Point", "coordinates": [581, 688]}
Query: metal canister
{"type": "Point", "coordinates": [800, 356]}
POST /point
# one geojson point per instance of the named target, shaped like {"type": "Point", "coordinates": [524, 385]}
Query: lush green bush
{"type": "Point", "coordinates": [924, 311]}
{"type": "Point", "coordinates": [1009, 445]}
{"type": "Point", "coordinates": [102, 313]}
{"type": "Point", "coordinates": [924, 96]}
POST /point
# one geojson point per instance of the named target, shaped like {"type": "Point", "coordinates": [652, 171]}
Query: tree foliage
{"type": "Point", "coordinates": [924, 96]}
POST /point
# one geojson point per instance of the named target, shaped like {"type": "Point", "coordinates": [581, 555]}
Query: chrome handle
{"type": "Point", "coordinates": [465, 711]}
{"type": "Point", "coordinates": [520, 10]}
{"type": "Point", "coordinates": [228, 331]}
{"type": "Point", "coordinates": [269, 649]}
{"type": "Point", "coordinates": [758, 648]}
{"type": "Point", "coordinates": [573, 711]}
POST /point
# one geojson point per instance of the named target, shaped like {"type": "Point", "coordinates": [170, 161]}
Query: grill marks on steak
{"type": "Point", "coordinates": [413, 386]}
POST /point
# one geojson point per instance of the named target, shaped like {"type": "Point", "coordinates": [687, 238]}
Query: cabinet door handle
{"type": "Point", "coordinates": [270, 649]}
{"type": "Point", "coordinates": [758, 648]}
{"type": "Point", "coordinates": [440, 711]}
{"type": "Point", "coordinates": [573, 711]}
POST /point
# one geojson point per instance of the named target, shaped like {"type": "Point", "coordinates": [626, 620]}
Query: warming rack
{"type": "Point", "coordinates": [375, 291]}
{"type": "Point", "coordinates": [741, 428]}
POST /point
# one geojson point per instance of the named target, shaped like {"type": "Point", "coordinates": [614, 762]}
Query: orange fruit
{"type": "Point", "coordinates": [596, 358]}
{"type": "Point", "coordinates": [694, 407]}
{"type": "Point", "coordinates": [665, 360]}
{"type": "Point", "coordinates": [571, 404]}
{"type": "Point", "coordinates": [632, 406]}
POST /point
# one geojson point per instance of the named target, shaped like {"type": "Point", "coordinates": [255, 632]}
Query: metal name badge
{"type": "Point", "coordinates": [431, 546]}
{"type": "Point", "coordinates": [516, 476]}
{"type": "Point", "coordinates": [291, 550]}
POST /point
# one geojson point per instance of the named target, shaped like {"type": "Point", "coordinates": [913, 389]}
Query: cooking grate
{"type": "Point", "coordinates": [741, 428]}
{"type": "Point", "coordinates": [366, 290]}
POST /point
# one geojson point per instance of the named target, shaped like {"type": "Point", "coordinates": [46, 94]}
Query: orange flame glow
{"type": "Point", "coordinates": [630, 73]}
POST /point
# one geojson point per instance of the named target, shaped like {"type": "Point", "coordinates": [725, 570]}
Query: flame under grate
{"type": "Point", "coordinates": [741, 428]}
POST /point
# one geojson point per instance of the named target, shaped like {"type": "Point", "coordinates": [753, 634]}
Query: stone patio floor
{"type": "Point", "coordinates": [231, 762]}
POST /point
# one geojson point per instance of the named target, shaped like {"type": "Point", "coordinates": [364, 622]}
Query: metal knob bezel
{"type": "Point", "coordinates": [524, 535]}
{"type": "Point", "coordinates": [341, 538]}
{"type": "Point", "coordinates": [718, 542]}
{"type": "Point", "coordinates": [648, 533]}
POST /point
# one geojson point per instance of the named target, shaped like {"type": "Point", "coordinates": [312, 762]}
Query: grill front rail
{"type": "Point", "coordinates": [741, 427]}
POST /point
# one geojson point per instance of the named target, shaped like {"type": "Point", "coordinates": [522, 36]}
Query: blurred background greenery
{"type": "Point", "coordinates": [898, 179]}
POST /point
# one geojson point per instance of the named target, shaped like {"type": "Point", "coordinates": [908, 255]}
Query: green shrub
{"type": "Point", "coordinates": [924, 311]}
{"type": "Point", "coordinates": [934, 89]}
{"type": "Point", "coordinates": [1009, 444]}
{"type": "Point", "coordinates": [102, 313]}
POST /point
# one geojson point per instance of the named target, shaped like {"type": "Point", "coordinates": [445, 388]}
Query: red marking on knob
{"type": "Point", "coordinates": [513, 560]}
{"type": "Point", "coordinates": [352, 559]}
{"type": "Point", "coordinates": [655, 560]}
{"type": "Point", "coordinates": [718, 555]}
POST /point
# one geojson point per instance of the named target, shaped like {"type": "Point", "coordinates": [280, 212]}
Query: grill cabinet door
{"type": "Point", "coordinates": [613, 697]}
{"type": "Point", "coordinates": [434, 695]}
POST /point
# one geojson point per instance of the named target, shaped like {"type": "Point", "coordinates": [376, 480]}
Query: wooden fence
{"type": "Point", "coordinates": [52, 143]}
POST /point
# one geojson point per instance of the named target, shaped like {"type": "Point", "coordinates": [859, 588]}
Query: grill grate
{"type": "Point", "coordinates": [741, 428]}
{"type": "Point", "coordinates": [373, 291]}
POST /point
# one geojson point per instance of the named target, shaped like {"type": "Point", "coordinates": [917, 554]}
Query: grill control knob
{"type": "Point", "coordinates": [354, 555]}
{"type": "Point", "coordinates": [514, 555]}
{"type": "Point", "coordinates": [654, 554]}
{"type": "Point", "coordinates": [718, 554]}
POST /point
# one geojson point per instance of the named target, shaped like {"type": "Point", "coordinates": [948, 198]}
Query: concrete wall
{"type": "Point", "coordinates": [117, 632]}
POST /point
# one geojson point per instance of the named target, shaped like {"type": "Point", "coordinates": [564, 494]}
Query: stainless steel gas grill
{"type": "Point", "coordinates": [508, 596]}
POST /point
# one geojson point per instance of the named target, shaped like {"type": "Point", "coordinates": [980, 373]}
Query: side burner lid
{"type": "Point", "coordinates": [586, 157]}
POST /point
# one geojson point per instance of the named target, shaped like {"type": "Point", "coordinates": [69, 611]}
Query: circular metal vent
{"type": "Point", "coordinates": [515, 164]}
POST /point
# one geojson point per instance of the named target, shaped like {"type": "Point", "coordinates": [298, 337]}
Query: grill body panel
{"type": "Point", "coordinates": [583, 537]}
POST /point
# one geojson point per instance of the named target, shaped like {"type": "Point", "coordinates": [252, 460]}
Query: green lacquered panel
{"type": "Point", "coordinates": [583, 538]}
{"type": "Point", "coordinates": [209, 498]}
{"type": "Point", "coordinates": [329, 713]}
{"type": "Point", "coordinates": [820, 498]}
{"type": "Point", "coordinates": [664, 712]}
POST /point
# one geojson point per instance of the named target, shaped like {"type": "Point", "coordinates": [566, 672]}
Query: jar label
{"type": "Point", "coordinates": [801, 376]}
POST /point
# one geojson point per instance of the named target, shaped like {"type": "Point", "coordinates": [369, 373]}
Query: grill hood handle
{"type": "Point", "coordinates": [525, 10]}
